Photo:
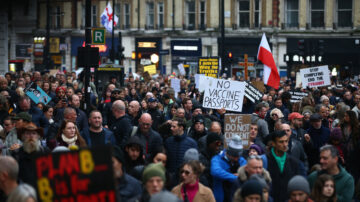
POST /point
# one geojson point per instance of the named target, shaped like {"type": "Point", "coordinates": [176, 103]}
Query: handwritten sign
{"type": "Point", "coordinates": [252, 93]}
{"type": "Point", "coordinates": [175, 84]}
{"type": "Point", "coordinates": [36, 94]}
{"type": "Point", "coordinates": [224, 94]}
{"type": "Point", "coordinates": [297, 96]}
{"type": "Point", "coordinates": [315, 76]}
{"type": "Point", "coordinates": [237, 124]}
{"type": "Point", "coordinates": [181, 69]}
{"type": "Point", "coordinates": [84, 175]}
{"type": "Point", "coordinates": [150, 68]}
{"type": "Point", "coordinates": [209, 66]}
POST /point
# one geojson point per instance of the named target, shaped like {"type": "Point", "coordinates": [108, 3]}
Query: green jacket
{"type": "Point", "coordinates": [344, 184]}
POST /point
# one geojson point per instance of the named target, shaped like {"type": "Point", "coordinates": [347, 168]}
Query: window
{"type": "Point", "coordinates": [55, 17]}
{"type": "Point", "coordinates": [344, 13]}
{"type": "Point", "coordinates": [244, 13]}
{"type": "Point", "coordinates": [126, 16]}
{"type": "Point", "coordinates": [202, 12]}
{"type": "Point", "coordinates": [117, 13]}
{"type": "Point", "coordinates": [317, 13]}
{"type": "Point", "coordinates": [190, 15]}
{"type": "Point", "coordinates": [257, 13]}
{"type": "Point", "coordinates": [150, 15]}
{"type": "Point", "coordinates": [160, 12]}
{"type": "Point", "coordinates": [93, 16]}
{"type": "Point", "coordinates": [83, 16]}
{"type": "Point", "coordinates": [292, 13]}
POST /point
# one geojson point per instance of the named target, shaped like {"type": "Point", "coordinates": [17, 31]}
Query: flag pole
{"type": "Point", "coordinates": [112, 34]}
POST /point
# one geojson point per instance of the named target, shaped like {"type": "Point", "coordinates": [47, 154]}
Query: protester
{"type": "Point", "coordinates": [298, 189]}
{"type": "Point", "coordinates": [324, 189]}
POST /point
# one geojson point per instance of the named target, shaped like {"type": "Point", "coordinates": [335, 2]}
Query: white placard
{"type": "Point", "coordinates": [197, 79]}
{"type": "Point", "coordinates": [224, 94]}
{"type": "Point", "coordinates": [315, 76]}
{"type": "Point", "coordinates": [175, 84]}
{"type": "Point", "coordinates": [204, 82]}
{"type": "Point", "coordinates": [181, 69]}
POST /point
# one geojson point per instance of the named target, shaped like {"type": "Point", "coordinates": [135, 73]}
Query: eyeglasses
{"type": "Point", "coordinates": [185, 171]}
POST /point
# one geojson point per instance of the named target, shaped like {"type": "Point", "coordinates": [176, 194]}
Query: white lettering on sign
{"type": "Point", "coordinates": [98, 36]}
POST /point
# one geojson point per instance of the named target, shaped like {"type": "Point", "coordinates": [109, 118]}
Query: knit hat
{"type": "Point", "coordinates": [212, 137]}
{"type": "Point", "coordinates": [235, 146]}
{"type": "Point", "coordinates": [261, 180]}
{"type": "Point", "coordinates": [118, 154]}
{"type": "Point", "coordinates": [336, 134]}
{"type": "Point", "coordinates": [164, 196]}
{"type": "Point", "coordinates": [154, 170]}
{"type": "Point", "coordinates": [191, 154]}
{"type": "Point", "coordinates": [257, 148]}
{"type": "Point", "coordinates": [251, 187]}
{"type": "Point", "coordinates": [298, 183]}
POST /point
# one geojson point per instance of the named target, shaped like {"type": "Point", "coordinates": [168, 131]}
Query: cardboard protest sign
{"type": "Point", "coordinates": [146, 76]}
{"type": "Point", "coordinates": [252, 93]}
{"type": "Point", "coordinates": [209, 66]}
{"type": "Point", "coordinates": [175, 84]}
{"type": "Point", "coordinates": [36, 94]}
{"type": "Point", "coordinates": [84, 175]}
{"type": "Point", "coordinates": [181, 69]}
{"type": "Point", "coordinates": [237, 124]}
{"type": "Point", "coordinates": [315, 76]}
{"type": "Point", "coordinates": [259, 85]}
{"type": "Point", "coordinates": [297, 96]}
{"type": "Point", "coordinates": [150, 68]}
{"type": "Point", "coordinates": [224, 94]}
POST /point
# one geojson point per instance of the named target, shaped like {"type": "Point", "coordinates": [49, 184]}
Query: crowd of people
{"type": "Point", "coordinates": [167, 147]}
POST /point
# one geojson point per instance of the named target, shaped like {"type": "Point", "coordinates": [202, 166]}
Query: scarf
{"type": "Point", "coordinates": [69, 141]}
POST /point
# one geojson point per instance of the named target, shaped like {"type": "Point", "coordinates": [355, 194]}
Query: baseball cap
{"type": "Point", "coordinates": [295, 115]}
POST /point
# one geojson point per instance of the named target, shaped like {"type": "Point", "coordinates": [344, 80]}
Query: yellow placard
{"type": "Point", "coordinates": [150, 68]}
{"type": "Point", "coordinates": [54, 43]}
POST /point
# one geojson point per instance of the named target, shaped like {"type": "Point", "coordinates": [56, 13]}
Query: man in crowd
{"type": "Point", "coordinates": [188, 105]}
{"type": "Point", "coordinates": [344, 182]}
{"type": "Point", "coordinates": [198, 129]}
{"type": "Point", "coordinates": [259, 118]}
{"type": "Point", "coordinates": [281, 166]}
{"type": "Point", "coordinates": [122, 126]}
{"type": "Point", "coordinates": [156, 115]}
{"type": "Point", "coordinates": [134, 112]}
{"type": "Point", "coordinates": [296, 123]}
{"type": "Point", "coordinates": [96, 134]}
{"type": "Point", "coordinates": [253, 136]}
{"type": "Point", "coordinates": [177, 145]}
{"type": "Point", "coordinates": [9, 171]}
{"type": "Point", "coordinates": [224, 168]}
{"type": "Point", "coordinates": [149, 138]}
{"type": "Point", "coordinates": [12, 142]}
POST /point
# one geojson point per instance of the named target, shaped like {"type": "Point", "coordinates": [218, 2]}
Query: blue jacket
{"type": "Point", "coordinates": [109, 136]}
{"type": "Point", "coordinates": [220, 170]}
{"type": "Point", "coordinates": [176, 146]}
{"type": "Point", "coordinates": [37, 116]}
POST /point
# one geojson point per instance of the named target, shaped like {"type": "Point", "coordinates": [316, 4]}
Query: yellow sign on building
{"type": "Point", "coordinates": [56, 59]}
{"type": "Point", "coordinates": [54, 43]}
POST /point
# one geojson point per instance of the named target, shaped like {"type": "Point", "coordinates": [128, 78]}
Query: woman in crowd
{"type": "Point", "coordinates": [275, 115]}
{"type": "Point", "coordinates": [68, 135]}
{"type": "Point", "coordinates": [190, 189]}
{"type": "Point", "coordinates": [48, 113]}
{"type": "Point", "coordinates": [324, 189]}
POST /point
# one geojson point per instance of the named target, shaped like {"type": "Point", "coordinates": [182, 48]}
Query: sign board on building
{"type": "Point", "coordinates": [209, 66]}
{"type": "Point", "coordinates": [164, 52]}
{"type": "Point", "coordinates": [56, 59]}
{"type": "Point", "coordinates": [23, 51]}
{"type": "Point", "coordinates": [224, 94]}
{"type": "Point", "coordinates": [98, 36]}
{"type": "Point", "coordinates": [54, 45]}
{"type": "Point", "coordinates": [237, 124]}
{"type": "Point", "coordinates": [297, 96]}
{"type": "Point", "coordinates": [315, 76]}
{"type": "Point", "coordinates": [82, 175]}
{"type": "Point", "coordinates": [252, 93]}
{"type": "Point", "coordinates": [150, 68]}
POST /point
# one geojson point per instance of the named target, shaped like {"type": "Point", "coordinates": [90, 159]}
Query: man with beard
{"type": "Point", "coordinates": [12, 142]}
{"type": "Point", "coordinates": [30, 135]}
{"type": "Point", "coordinates": [97, 134]}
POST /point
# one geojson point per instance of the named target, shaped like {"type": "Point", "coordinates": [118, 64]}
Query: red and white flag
{"type": "Point", "coordinates": [271, 74]}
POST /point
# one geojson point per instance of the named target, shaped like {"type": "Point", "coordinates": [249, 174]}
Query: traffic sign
{"type": "Point", "coordinates": [98, 36]}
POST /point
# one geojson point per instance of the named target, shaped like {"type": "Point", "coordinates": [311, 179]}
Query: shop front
{"type": "Point", "coordinates": [186, 52]}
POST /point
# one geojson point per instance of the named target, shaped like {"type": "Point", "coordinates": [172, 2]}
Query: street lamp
{"type": "Point", "coordinates": [154, 58]}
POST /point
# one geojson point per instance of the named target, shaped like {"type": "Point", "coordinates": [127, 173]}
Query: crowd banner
{"type": "Point", "coordinates": [252, 93]}
{"type": "Point", "coordinates": [175, 84]}
{"type": "Point", "coordinates": [151, 69]}
{"type": "Point", "coordinates": [297, 96]}
{"type": "Point", "coordinates": [181, 69]}
{"type": "Point", "coordinates": [224, 94]}
{"type": "Point", "coordinates": [82, 175]}
{"type": "Point", "coordinates": [36, 94]}
{"type": "Point", "coordinates": [209, 66]}
{"type": "Point", "coordinates": [237, 124]}
{"type": "Point", "coordinates": [315, 76]}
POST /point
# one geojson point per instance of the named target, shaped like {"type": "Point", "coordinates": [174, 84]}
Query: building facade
{"type": "Point", "coordinates": [301, 32]}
